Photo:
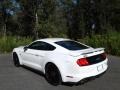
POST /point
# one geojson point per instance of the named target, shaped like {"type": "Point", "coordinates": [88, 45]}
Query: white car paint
{"type": "Point", "coordinates": [64, 59]}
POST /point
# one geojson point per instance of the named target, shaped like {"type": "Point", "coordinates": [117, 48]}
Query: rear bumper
{"type": "Point", "coordinates": [90, 78]}
{"type": "Point", "coordinates": [85, 80]}
{"type": "Point", "coordinates": [90, 72]}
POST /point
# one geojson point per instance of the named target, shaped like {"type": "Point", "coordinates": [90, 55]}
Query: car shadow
{"type": "Point", "coordinates": [34, 71]}
{"type": "Point", "coordinates": [78, 83]}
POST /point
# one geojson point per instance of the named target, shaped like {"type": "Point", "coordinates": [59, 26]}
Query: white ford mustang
{"type": "Point", "coordinates": [62, 60]}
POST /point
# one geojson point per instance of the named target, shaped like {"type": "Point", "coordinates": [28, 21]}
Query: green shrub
{"type": "Point", "coordinates": [110, 41]}
{"type": "Point", "coordinates": [7, 44]}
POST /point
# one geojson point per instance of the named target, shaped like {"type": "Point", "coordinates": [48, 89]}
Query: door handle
{"type": "Point", "coordinates": [38, 55]}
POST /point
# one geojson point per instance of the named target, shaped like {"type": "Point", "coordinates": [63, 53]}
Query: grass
{"type": "Point", "coordinates": [110, 41]}
{"type": "Point", "coordinates": [7, 44]}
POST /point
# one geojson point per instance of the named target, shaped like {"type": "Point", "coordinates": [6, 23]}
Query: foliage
{"type": "Point", "coordinates": [6, 9]}
{"type": "Point", "coordinates": [74, 18]}
{"type": "Point", "coordinates": [110, 42]}
{"type": "Point", "coordinates": [7, 44]}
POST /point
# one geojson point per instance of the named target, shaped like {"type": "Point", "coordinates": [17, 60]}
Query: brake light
{"type": "Point", "coordinates": [82, 62]}
{"type": "Point", "coordinates": [103, 56]}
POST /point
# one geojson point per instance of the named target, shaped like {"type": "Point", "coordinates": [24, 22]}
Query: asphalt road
{"type": "Point", "coordinates": [12, 78]}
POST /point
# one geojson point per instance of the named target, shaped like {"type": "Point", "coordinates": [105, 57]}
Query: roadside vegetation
{"type": "Point", "coordinates": [110, 41]}
{"type": "Point", "coordinates": [7, 44]}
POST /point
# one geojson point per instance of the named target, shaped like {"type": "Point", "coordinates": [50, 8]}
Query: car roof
{"type": "Point", "coordinates": [52, 40]}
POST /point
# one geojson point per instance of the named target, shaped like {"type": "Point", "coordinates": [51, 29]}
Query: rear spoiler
{"type": "Point", "coordinates": [84, 52]}
{"type": "Point", "coordinates": [94, 50]}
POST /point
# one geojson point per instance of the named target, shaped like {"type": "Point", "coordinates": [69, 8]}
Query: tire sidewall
{"type": "Point", "coordinates": [16, 60]}
{"type": "Point", "coordinates": [58, 72]}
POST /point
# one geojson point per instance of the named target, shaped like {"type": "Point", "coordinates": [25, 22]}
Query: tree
{"type": "Point", "coordinates": [6, 8]}
{"type": "Point", "coordinates": [27, 16]}
{"type": "Point", "coordinates": [35, 13]}
{"type": "Point", "coordinates": [56, 18]}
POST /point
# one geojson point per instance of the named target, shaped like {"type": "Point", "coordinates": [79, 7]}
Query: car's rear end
{"type": "Point", "coordinates": [85, 65]}
{"type": "Point", "coordinates": [82, 61]}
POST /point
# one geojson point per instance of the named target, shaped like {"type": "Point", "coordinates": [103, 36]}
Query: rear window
{"type": "Point", "coordinates": [71, 45]}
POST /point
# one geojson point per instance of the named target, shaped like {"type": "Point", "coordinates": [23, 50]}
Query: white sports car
{"type": "Point", "coordinates": [62, 60]}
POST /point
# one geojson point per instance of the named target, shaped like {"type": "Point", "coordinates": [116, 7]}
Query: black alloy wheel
{"type": "Point", "coordinates": [16, 60]}
{"type": "Point", "coordinates": [52, 74]}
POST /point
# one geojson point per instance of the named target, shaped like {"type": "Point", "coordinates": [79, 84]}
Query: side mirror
{"type": "Point", "coordinates": [25, 48]}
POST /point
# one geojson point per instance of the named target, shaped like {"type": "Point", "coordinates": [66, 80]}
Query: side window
{"type": "Point", "coordinates": [48, 47]}
{"type": "Point", "coordinates": [41, 46]}
{"type": "Point", "coordinates": [34, 45]}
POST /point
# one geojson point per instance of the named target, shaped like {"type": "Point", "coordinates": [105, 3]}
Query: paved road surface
{"type": "Point", "coordinates": [12, 78]}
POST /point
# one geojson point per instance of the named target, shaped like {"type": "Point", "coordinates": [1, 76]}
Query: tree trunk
{"type": "Point", "coordinates": [36, 26]}
{"type": "Point", "coordinates": [4, 31]}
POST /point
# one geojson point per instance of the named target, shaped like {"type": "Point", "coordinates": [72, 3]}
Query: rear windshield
{"type": "Point", "coordinates": [71, 45]}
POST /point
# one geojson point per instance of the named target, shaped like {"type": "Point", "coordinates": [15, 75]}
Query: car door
{"type": "Point", "coordinates": [35, 54]}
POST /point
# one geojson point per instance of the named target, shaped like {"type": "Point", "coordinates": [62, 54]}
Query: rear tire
{"type": "Point", "coordinates": [16, 60]}
{"type": "Point", "coordinates": [52, 74]}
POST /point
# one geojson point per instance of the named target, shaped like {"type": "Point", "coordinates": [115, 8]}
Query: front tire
{"type": "Point", "coordinates": [52, 74]}
{"type": "Point", "coordinates": [16, 60]}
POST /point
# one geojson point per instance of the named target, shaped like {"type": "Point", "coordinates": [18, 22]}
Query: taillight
{"type": "Point", "coordinates": [82, 62]}
{"type": "Point", "coordinates": [103, 56]}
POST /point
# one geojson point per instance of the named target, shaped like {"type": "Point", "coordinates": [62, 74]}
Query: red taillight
{"type": "Point", "coordinates": [82, 62]}
{"type": "Point", "coordinates": [103, 56]}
